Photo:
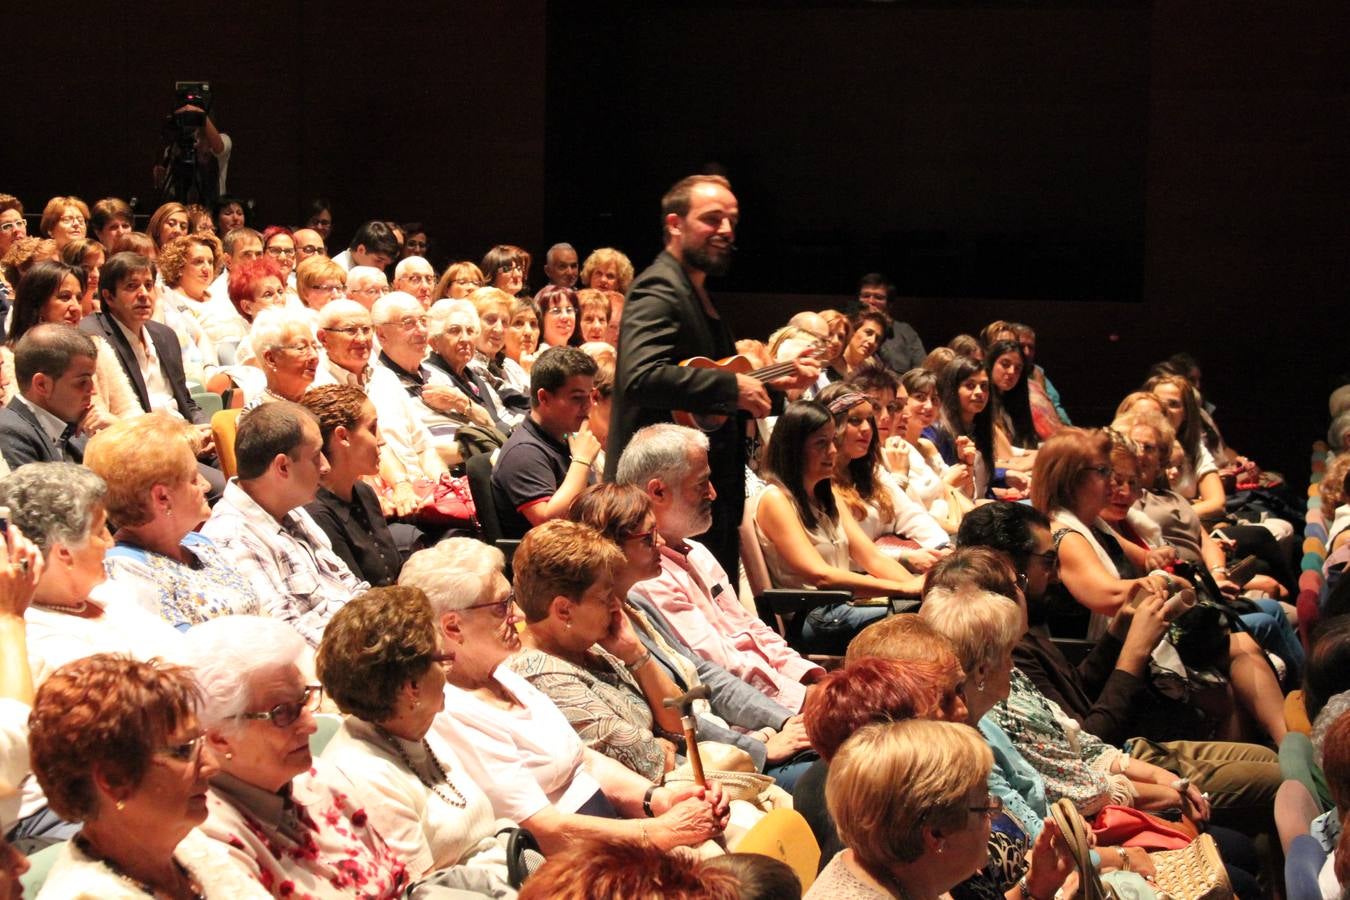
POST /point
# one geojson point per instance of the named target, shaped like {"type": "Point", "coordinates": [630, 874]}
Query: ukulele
{"type": "Point", "coordinates": [737, 365]}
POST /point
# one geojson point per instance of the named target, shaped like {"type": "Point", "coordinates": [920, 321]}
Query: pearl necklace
{"type": "Point", "coordinates": [68, 610]}
{"type": "Point", "coordinates": [459, 801]}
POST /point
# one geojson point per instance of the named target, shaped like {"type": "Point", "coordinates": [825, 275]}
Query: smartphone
{"type": "Point", "coordinates": [1241, 573]}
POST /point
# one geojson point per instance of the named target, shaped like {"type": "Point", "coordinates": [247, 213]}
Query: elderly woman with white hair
{"type": "Point", "coordinates": [494, 315]}
{"type": "Point", "coordinates": [285, 349]}
{"type": "Point", "coordinates": [60, 508]}
{"type": "Point", "coordinates": [366, 284]}
{"type": "Point", "coordinates": [515, 743]}
{"type": "Point", "coordinates": [455, 330]}
{"type": "Point", "coordinates": [286, 818]}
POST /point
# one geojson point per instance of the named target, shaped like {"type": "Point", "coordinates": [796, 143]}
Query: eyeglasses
{"type": "Point", "coordinates": [327, 288]}
{"type": "Point", "coordinates": [305, 348]}
{"type": "Point", "coordinates": [281, 251]}
{"type": "Point", "coordinates": [416, 245]}
{"type": "Point", "coordinates": [993, 806]}
{"type": "Point", "coordinates": [75, 220]}
{"type": "Point", "coordinates": [645, 538]}
{"type": "Point", "coordinates": [467, 282]}
{"type": "Point", "coordinates": [189, 751]}
{"type": "Point", "coordinates": [560, 311]}
{"type": "Point", "coordinates": [500, 608]}
{"type": "Point", "coordinates": [7, 227]}
{"type": "Point", "coordinates": [353, 330]}
{"type": "Point", "coordinates": [310, 249]}
{"type": "Point", "coordinates": [378, 291]}
{"type": "Point", "coordinates": [284, 715]}
{"type": "Point", "coordinates": [408, 323]}
{"type": "Point", "coordinates": [420, 279]}
{"type": "Point", "coordinates": [512, 266]}
{"type": "Point", "coordinates": [1104, 471]}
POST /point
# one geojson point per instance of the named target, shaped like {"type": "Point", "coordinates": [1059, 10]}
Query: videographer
{"type": "Point", "coordinates": [196, 159]}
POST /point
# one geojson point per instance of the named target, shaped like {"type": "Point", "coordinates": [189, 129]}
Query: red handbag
{"type": "Point", "coordinates": [450, 504]}
{"type": "Point", "coordinates": [1125, 826]}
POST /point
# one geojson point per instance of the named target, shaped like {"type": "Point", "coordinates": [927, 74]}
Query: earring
{"type": "Point", "coordinates": [979, 686]}
{"type": "Point", "coordinates": [229, 756]}
{"type": "Point", "coordinates": [416, 702]}
{"type": "Point", "coordinates": [941, 848]}
{"type": "Point", "coordinates": [568, 623]}
{"type": "Point", "coordinates": [120, 806]}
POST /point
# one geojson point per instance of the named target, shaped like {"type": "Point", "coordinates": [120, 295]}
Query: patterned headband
{"type": "Point", "coordinates": [845, 402]}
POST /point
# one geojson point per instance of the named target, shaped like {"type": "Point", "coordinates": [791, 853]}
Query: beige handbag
{"type": "Point", "coordinates": [1195, 872]}
{"type": "Point", "coordinates": [733, 769]}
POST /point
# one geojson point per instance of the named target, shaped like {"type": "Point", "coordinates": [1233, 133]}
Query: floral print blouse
{"type": "Point", "coordinates": [305, 842]}
{"type": "Point", "coordinates": [183, 595]}
{"type": "Point", "coordinates": [1073, 763]}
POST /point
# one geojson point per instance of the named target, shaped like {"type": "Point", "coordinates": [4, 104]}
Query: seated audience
{"type": "Point", "coordinates": [506, 267]}
{"type": "Point", "coordinates": [150, 353]}
{"type": "Point", "coordinates": [156, 500]}
{"type": "Point", "coordinates": [605, 870]}
{"type": "Point", "coordinates": [901, 348]}
{"type": "Point", "coordinates": [117, 746]}
{"type": "Point", "coordinates": [414, 275]}
{"type": "Point", "coordinates": [346, 506]}
{"type": "Point", "coordinates": [87, 255]}
{"type": "Point", "coordinates": [964, 421]}
{"type": "Point", "coordinates": [285, 818]}
{"type": "Point", "coordinates": [806, 542]}
{"type": "Point", "coordinates": [453, 342]}
{"type": "Point", "coordinates": [607, 269]}
{"type": "Point", "coordinates": [188, 266]}
{"type": "Point", "coordinates": [514, 742]}
{"type": "Point", "coordinates": [374, 244]}
{"type": "Point", "coordinates": [550, 457]}
{"type": "Point", "coordinates": [561, 266]}
{"type": "Point", "coordinates": [408, 457]}
{"type": "Point", "coordinates": [366, 284]}
{"type": "Point", "coordinates": [864, 487]}
{"type": "Point", "coordinates": [1071, 484]}
{"type": "Point", "coordinates": [946, 491]}
{"type": "Point", "coordinates": [558, 307]}
{"type": "Point", "coordinates": [54, 368]}
{"type": "Point", "coordinates": [735, 712]}
{"type": "Point", "coordinates": [109, 219]}
{"type": "Point", "coordinates": [167, 222]}
{"type": "Point", "coordinates": [64, 219]}
{"type": "Point", "coordinates": [593, 311]}
{"type": "Point", "coordinates": [319, 280]}
{"type": "Point", "coordinates": [494, 312]}
{"type": "Point", "coordinates": [1015, 438]}
{"type": "Point", "coordinates": [284, 348]}
{"type": "Point", "coordinates": [693, 592]}
{"type": "Point", "coordinates": [1047, 410]}
{"type": "Point", "coordinates": [383, 663]}
{"type": "Point", "coordinates": [261, 527]}
{"type": "Point", "coordinates": [459, 280]}
{"type": "Point", "coordinates": [279, 246]}
{"type": "Point", "coordinates": [1315, 841]}
{"type": "Point", "coordinates": [869, 330]}
{"type": "Point", "coordinates": [520, 344]}
{"type": "Point", "coordinates": [582, 652]}
{"type": "Point", "coordinates": [919, 841]}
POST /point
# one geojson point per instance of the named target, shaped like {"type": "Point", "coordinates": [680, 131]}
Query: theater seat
{"type": "Point", "coordinates": [224, 424]}
{"type": "Point", "coordinates": [785, 835]}
{"type": "Point", "coordinates": [478, 469]}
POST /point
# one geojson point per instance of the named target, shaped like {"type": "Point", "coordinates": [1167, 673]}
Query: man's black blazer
{"type": "Point", "coordinates": [23, 439]}
{"type": "Point", "coordinates": [170, 361]}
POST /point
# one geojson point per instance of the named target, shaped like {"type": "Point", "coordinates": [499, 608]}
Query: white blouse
{"type": "Point", "coordinates": [75, 876]}
{"type": "Point", "coordinates": [525, 758]}
{"type": "Point", "coordinates": [828, 538]}
{"type": "Point", "coordinates": [418, 824]}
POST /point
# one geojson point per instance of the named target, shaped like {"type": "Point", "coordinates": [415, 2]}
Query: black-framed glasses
{"type": "Point", "coordinates": [502, 608]}
{"type": "Point", "coordinates": [284, 715]}
{"type": "Point", "coordinates": [1049, 558]}
{"type": "Point", "coordinates": [364, 331]}
{"type": "Point", "coordinates": [1104, 471]}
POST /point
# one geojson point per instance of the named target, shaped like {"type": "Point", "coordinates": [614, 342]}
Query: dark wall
{"type": "Point", "coordinates": [440, 112]}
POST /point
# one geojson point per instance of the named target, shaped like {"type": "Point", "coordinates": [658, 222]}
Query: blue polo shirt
{"type": "Point", "coordinates": [530, 467]}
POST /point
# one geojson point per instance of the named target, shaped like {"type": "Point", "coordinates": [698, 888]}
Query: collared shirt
{"type": "Point", "coordinates": [359, 533]}
{"type": "Point", "coordinates": [56, 429]}
{"type": "Point", "coordinates": [147, 360]}
{"type": "Point", "coordinates": [311, 834]}
{"type": "Point", "coordinates": [698, 601]}
{"type": "Point", "coordinates": [290, 564]}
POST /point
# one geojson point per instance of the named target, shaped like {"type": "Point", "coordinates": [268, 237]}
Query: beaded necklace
{"type": "Point", "coordinates": [194, 889]}
{"type": "Point", "coordinates": [458, 801]}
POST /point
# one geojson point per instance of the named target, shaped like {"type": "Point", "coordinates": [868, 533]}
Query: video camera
{"type": "Point", "coordinates": [192, 93]}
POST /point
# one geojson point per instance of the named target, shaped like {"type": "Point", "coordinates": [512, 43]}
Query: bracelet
{"type": "Point", "coordinates": [1024, 889]}
{"type": "Point", "coordinates": [647, 802]}
{"type": "Point", "coordinates": [584, 462]}
{"type": "Point", "coordinates": [641, 661]}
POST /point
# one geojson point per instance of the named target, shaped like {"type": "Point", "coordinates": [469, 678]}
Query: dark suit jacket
{"type": "Point", "coordinates": [1106, 701]}
{"type": "Point", "coordinates": [23, 439]}
{"type": "Point", "coordinates": [170, 362]}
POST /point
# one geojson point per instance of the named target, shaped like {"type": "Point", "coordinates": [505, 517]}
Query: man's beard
{"type": "Point", "coordinates": [696, 521]}
{"type": "Point", "coordinates": [707, 260]}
